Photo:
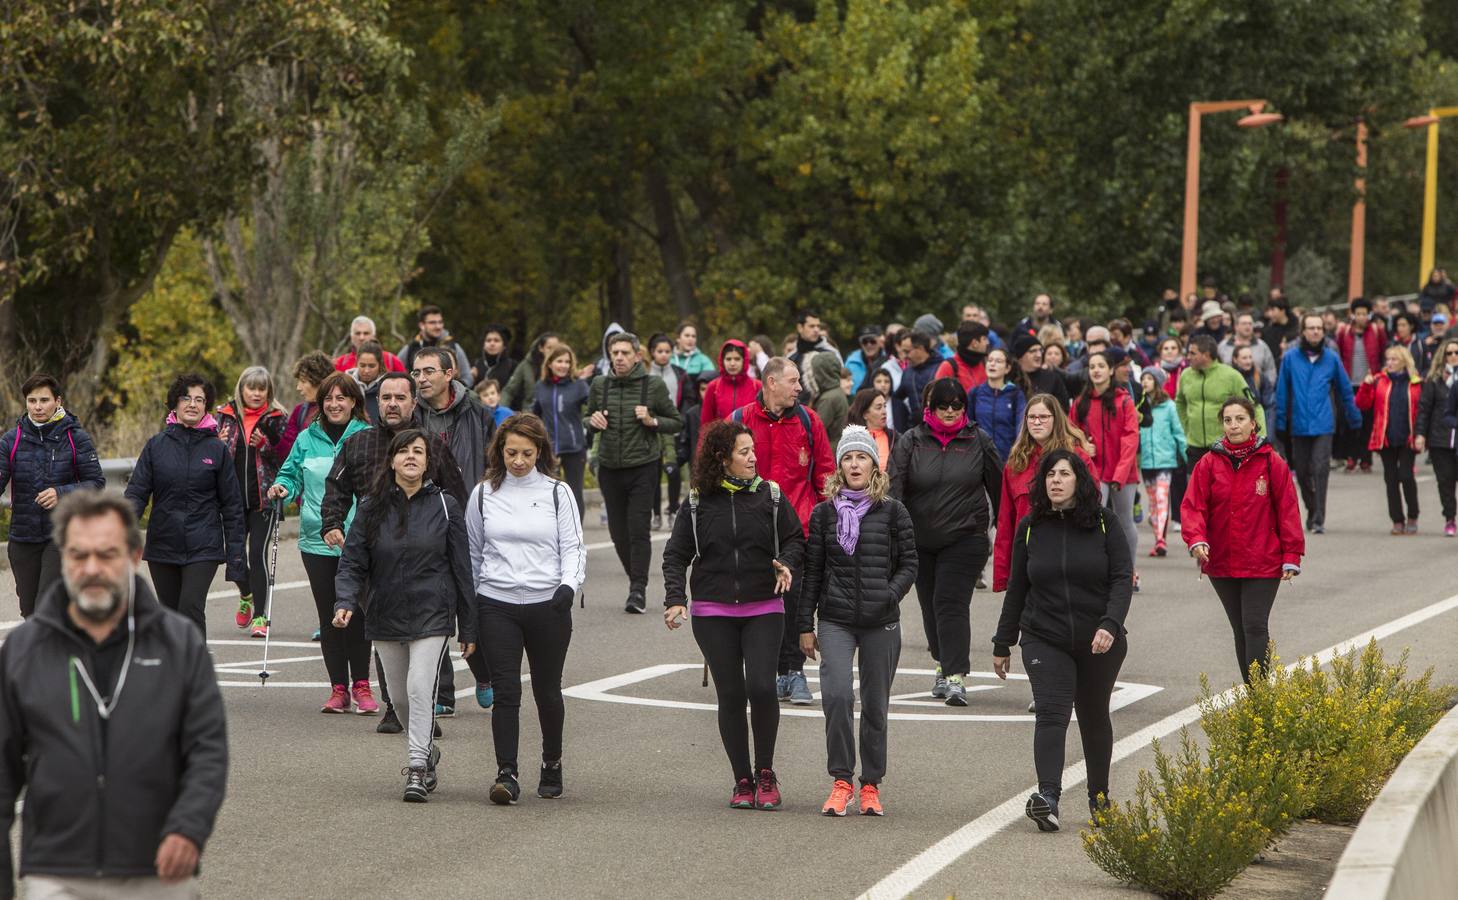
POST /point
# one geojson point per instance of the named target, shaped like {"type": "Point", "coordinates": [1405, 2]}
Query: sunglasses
{"type": "Point", "coordinates": [954, 406]}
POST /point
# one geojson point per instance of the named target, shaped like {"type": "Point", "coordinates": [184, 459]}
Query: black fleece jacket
{"type": "Point", "coordinates": [735, 546]}
{"type": "Point", "coordinates": [1066, 583]}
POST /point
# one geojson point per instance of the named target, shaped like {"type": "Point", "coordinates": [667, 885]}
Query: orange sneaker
{"type": "Point", "coordinates": [840, 797]}
{"type": "Point", "coordinates": [871, 801]}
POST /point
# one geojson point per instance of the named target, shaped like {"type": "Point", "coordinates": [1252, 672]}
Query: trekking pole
{"type": "Point", "coordinates": [275, 516]}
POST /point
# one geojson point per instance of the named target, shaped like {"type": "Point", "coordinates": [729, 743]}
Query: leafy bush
{"type": "Point", "coordinates": [1195, 823]}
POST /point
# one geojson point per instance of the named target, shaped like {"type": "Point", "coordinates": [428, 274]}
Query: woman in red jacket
{"type": "Point", "coordinates": [732, 389]}
{"type": "Point", "coordinates": [1243, 525]}
{"type": "Point", "coordinates": [1045, 428]}
{"type": "Point", "coordinates": [1106, 414]}
{"type": "Point", "coordinates": [1392, 396]}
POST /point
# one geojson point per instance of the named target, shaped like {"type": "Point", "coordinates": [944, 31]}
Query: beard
{"type": "Point", "coordinates": [96, 598]}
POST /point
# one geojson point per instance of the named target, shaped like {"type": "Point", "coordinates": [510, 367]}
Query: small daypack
{"type": "Point", "coordinates": [693, 501]}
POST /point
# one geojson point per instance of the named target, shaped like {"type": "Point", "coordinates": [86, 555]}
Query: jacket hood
{"type": "Point", "coordinates": [208, 423]}
{"type": "Point", "coordinates": [612, 329]}
{"type": "Point", "coordinates": [743, 349]}
{"type": "Point", "coordinates": [826, 369]}
{"type": "Point", "coordinates": [369, 387]}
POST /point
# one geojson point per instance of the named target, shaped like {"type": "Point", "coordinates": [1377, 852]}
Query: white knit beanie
{"type": "Point", "coordinates": [856, 437]}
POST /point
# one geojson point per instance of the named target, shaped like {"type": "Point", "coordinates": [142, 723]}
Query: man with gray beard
{"type": "Point", "coordinates": [111, 721]}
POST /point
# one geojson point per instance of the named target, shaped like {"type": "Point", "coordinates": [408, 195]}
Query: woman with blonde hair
{"type": "Point", "coordinates": [859, 564]}
{"type": "Point", "coordinates": [558, 402]}
{"type": "Point", "coordinates": [1437, 428]}
{"type": "Point", "coordinates": [1393, 395]}
{"type": "Point", "coordinates": [1045, 428]}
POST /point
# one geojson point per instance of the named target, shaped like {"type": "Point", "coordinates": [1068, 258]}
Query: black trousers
{"type": "Point", "coordinates": [1192, 456]}
{"type": "Point", "coordinates": [1248, 603]}
{"type": "Point", "coordinates": [346, 650]}
{"type": "Point", "coordinates": [36, 567]}
{"type": "Point", "coordinates": [791, 659]}
{"type": "Point", "coordinates": [1311, 458]}
{"type": "Point", "coordinates": [673, 473]}
{"type": "Point", "coordinates": [1445, 471]}
{"type": "Point", "coordinates": [543, 631]}
{"type": "Point", "coordinates": [945, 579]}
{"type": "Point", "coordinates": [628, 496]}
{"type": "Point", "coordinates": [573, 466]}
{"type": "Point", "coordinates": [1397, 473]}
{"type": "Point", "coordinates": [256, 521]}
{"type": "Point", "coordinates": [741, 656]}
{"type": "Point", "coordinates": [185, 588]}
{"type": "Point", "coordinates": [1066, 681]}
{"type": "Point", "coordinates": [1354, 441]}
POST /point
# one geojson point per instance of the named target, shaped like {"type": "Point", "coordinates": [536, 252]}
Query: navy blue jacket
{"type": "Point", "coordinates": [1304, 405]}
{"type": "Point", "coordinates": [999, 413]}
{"type": "Point", "coordinates": [65, 459]}
{"type": "Point", "coordinates": [560, 408]}
{"type": "Point", "coordinates": [197, 507]}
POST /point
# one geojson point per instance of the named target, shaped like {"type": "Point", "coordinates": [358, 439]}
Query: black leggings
{"type": "Point", "coordinates": [673, 473]}
{"type": "Point", "coordinates": [1248, 603]}
{"type": "Point", "coordinates": [1445, 470]}
{"type": "Point", "coordinates": [1397, 472]}
{"type": "Point", "coordinates": [573, 465]}
{"type": "Point", "coordinates": [36, 567]}
{"type": "Point", "coordinates": [185, 588]}
{"type": "Point", "coordinates": [543, 630]}
{"type": "Point", "coordinates": [257, 533]}
{"type": "Point", "coordinates": [741, 653]}
{"type": "Point", "coordinates": [346, 650]}
{"type": "Point", "coordinates": [944, 582]}
{"type": "Point", "coordinates": [1063, 682]}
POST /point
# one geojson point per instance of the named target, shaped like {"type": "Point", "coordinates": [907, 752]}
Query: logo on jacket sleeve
{"type": "Point", "coordinates": [1261, 486]}
{"type": "Point", "coordinates": [804, 457]}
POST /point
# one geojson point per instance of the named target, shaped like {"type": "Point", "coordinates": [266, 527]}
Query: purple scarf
{"type": "Point", "coordinates": [850, 509]}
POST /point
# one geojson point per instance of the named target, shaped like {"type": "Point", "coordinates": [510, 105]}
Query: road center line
{"type": "Point", "coordinates": [925, 865]}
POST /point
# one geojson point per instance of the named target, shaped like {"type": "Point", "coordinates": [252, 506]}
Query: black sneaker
{"type": "Point", "coordinates": [1043, 810]}
{"type": "Point", "coordinates": [635, 604]}
{"type": "Point", "coordinates": [389, 723]}
{"type": "Point", "coordinates": [436, 732]}
{"type": "Point", "coordinates": [431, 782]}
{"type": "Point", "coordinates": [550, 787]}
{"type": "Point", "coordinates": [506, 790]}
{"type": "Point", "coordinates": [415, 790]}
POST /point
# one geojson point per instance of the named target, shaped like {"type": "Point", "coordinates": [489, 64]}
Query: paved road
{"type": "Point", "coordinates": [314, 807]}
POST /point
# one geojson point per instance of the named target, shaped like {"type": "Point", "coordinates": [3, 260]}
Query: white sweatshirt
{"type": "Point", "coordinates": [521, 552]}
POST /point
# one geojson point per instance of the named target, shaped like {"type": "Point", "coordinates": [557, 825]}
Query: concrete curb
{"type": "Point", "coordinates": [1403, 847]}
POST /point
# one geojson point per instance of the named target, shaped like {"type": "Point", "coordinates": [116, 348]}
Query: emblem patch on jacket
{"type": "Point", "coordinates": [207, 460]}
{"type": "Point", "coordinates": [804, 457]}
{"type": "Point", "coordinates": [1261, 486]}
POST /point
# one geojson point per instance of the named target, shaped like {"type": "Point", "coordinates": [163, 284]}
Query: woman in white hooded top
{"type": "Point", "coordinates": [528, 562]}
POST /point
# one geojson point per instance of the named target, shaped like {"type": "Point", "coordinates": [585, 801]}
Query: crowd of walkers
{"type": "Point", "coordinates": [806, 494]}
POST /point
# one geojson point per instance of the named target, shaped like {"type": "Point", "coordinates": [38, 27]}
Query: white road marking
{"type": "Point", "coordinates": [601, 690]}
{"type": "Point", "coordinates": [924, 866]}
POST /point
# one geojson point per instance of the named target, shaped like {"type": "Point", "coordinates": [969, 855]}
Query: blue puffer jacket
{"type": "Point", "coordinates": [1303, 394]}
{"type": "Point", "coordinates": [1162, 444]}
{"type": "Point", "coordinates": [560, 408]}
{"type": "Point", "coordinates": [64, 459]}
{"type": "Point", "coordinates": [197, 508]}
{"type": "Point", "coordinates": [999, 413]}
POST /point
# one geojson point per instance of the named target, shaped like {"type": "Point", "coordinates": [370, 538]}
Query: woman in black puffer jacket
{"type": "Point", "coordinates": [859, 562]}
{"type": "Point", "coordinates": [745, 543]}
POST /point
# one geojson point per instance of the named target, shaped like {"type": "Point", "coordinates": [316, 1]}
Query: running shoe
{"type": "Point", "coordinates": [657, 521]}
{"type": "Point", "coordinates": [782, 687]}
{"type": "Point", "coordinates": [550, 785]}
{"type": "Point", "coordinates": [1410, 527]}
{"type": "Point", "coordinates": [1043, 810]}
{"type": "Point", "coordinates": [444, 712]}
{"type": "Point", "coordinates": [1397, 528]}
{"type": "Point", "coordinates": [431, 780]}
{"type": "Point", "coordinates": [840, 797]}
{"type": "Point", "coordinates": [1366, 468]}
{"type": "Point", "coordinates": [506, 790]}
{"type": "Point", "coordinates": [1160, 549]}
{"type": "Point", "coordinates": [338, 701]}
{"type": "Point", "coordinates": [871, 801]}
{"type": "Point", "coordinates": [956, 691]}
{"type": "Point", "coordinates": [1351, 466]}
{"type": "Point", "coordinates": [244, 618]}
{"type": "Point", "coordinates": [260, 627]}
{"type": "Point", "coordinates": [364, 698]}
{"type": "Point", "coordinates": [1318, 529]}
{"type": "Point", "coordinates": [672, 518]}
{"type": "Point", "coordinates": [435, 732]}
{"type": "Point", "coordinates": [767, 791]}
{"type": "Point", "coordinates": [800, 690]}
{"type": "Point", "coordinates": [415, 791]}
{"type": "Point", "coordinates": [485, 695]}
{"type": "Point", "coordinates": [1450, 528]}
{"type": "Point", "coordinates": [1097, 805]}
{"type": "Point", "coordinates": [315, 636]}
{"type": "Point", "coordinates": [389, 723]}
{"type": "Point", "coordinates": [635, 603]}
{"type": "Point", "coordinates": [743, 796]}
{"type": "Point", "coordinates": [1138, 511]}
{"type": "Point", "coordinates": [939, 686]}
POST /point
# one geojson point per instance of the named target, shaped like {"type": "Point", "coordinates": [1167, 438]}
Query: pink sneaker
{"type": "Point", "coordinates": [1450, 528]}
{"type": "Point", "coordinates": [338, 701]}
{"type": "Point", "coordinates": [364, 701]}
{"type": "Point", "coordinates": [767, 791]}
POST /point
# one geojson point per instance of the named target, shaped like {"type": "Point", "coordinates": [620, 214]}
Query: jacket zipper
{"type": "Point", "coordinates": [734, 529]}
{"type": "Point", "coordinates": [1067, 597]}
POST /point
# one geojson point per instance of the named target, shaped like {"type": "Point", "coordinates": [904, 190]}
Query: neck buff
{"type": "Point", "coordinates": [1242, 452]}
{"type": "Point", "coordinates": [850, 508]}
{"type": "Point", "coordinates": [734, 485]}
{"type": "Point", "coordinates": [56, 416]}
{"type": "Point", "coordinates": [942, 431]}
{"type": "Point", "coordinates": [1312, 349]}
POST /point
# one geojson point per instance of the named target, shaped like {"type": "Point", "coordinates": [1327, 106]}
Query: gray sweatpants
{"type": "Point", "coordinates": [1120, 501]}
{"type": "Point", "coordinates": [415, 664]}
{"type": "Point", "coordinates": [880, 648]}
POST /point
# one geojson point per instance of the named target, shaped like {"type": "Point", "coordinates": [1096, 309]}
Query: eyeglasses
{"type": "Point", "coordinates": [1044, 418]}
{"type": "Point", "coordinates": [428, 371]}
{"type": "Point", "coordinates": [192, 401]}
{"type": "Point", "coordinates": [954, 406]}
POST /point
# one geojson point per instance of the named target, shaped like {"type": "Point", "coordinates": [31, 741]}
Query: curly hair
{"type": "Point", "coordinates": [313, 367]}
{"type": "Point", "coordinates": [715, 448]}
{"type": "Point", "coordinates": [1086, 506]}
{"type": "Point", "coordinates": [184, 383]}
{"type": "Point", "coordinates": [524, 425]}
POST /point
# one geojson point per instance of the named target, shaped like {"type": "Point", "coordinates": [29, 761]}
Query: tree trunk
{"type": "Point", "coordinates": [620, 284]}
{"type": "Point", "coordinates": [670, 241]}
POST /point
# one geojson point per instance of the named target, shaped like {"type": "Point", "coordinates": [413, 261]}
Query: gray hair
{"type": "Point", "coordinates": [776, 367]}
{"type": "Point", "coordinates": [88, 503]}
{"type": "Point", "coordinates": [255, 377]}
{"type": "Point", "coordinates": [363, 319]}
{"type": "Point", "coordinates": [624, 337]}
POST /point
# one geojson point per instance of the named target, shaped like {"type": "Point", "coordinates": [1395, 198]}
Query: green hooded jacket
{"type": "Point", "coordinates": [627, 442]}
{"type": "Point", "coordinates": [1200, 396]}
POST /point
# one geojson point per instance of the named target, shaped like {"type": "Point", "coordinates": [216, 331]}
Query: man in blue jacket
{"type": "Point", "coordinates": [1310, 372]}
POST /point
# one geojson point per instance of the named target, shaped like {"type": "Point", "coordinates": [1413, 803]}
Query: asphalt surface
{"type": "Point", "coordinates": [314, 810]}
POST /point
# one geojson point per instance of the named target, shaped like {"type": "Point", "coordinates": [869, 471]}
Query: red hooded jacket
{"type": "Point", "coordinates": [728, 392]}
{"type": "Point", "coordinates": [1115, 438]}
{"type": "Point", "coordinates": [969, 376]}
{"type": "Point", "coordinates": [1011, 510]}
{"type": "Point", "coordinates": [1248, 516]}
{"type": "Point", "coordinates": [798, 462]}
{"type": "Point", "coordinates": [1376, 395]}
{"type": "Point", "coordinates": [1374, 339]}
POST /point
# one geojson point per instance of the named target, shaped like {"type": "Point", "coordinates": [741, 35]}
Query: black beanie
{"type": "Point", "coordinates": [1022, 344]}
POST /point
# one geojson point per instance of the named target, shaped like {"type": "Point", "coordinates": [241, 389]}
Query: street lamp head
{"type": "Point", "coordinates": [1257, 120]}
{"type": "Point", "coordinates": [1420, 121]}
